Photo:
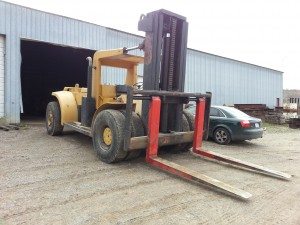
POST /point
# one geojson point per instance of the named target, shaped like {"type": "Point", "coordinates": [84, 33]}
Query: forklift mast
{"type": "Point", "coordinates": [165, 49]}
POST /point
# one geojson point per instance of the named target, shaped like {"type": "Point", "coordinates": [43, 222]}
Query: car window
{"type": "Point", "coordinates": [213, 112]}
{"type": "Point", "coordinates": [220, 114]}
{"type": "Point", "coordinates": [216, 112]}
{"type": "Point", "coordinates": [236, 113]}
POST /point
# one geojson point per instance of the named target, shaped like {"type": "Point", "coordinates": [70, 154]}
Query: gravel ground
{"type": "Point", "coordinates": [59, 180]}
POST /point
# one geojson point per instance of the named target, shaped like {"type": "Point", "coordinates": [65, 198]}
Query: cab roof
{"type": "Point", "coordinates": [117, 58]}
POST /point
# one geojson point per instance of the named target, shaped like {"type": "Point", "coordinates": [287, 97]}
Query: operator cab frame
{"type": "Point", "coordinates": [117, 58]}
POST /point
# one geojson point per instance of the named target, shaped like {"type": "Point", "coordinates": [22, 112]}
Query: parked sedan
{"type": "Point", "coordinates": [230, 124]}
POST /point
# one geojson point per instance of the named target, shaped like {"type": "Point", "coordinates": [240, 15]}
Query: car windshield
{"type": "Point", "coordinates": [235, 112]}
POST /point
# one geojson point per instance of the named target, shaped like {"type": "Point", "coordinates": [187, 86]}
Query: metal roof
{"type": "Point", "coordinates": [193, 49]}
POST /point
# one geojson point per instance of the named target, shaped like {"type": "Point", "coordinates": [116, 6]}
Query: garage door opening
{"type": "Point", "coordinates": [46, 68]}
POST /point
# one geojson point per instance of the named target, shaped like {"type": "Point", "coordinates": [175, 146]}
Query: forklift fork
{"type": "Point", "coordinates": [153, 159]}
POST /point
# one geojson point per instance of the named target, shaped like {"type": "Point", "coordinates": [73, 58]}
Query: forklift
{"type": "Point", "coordinates": [124, 120]}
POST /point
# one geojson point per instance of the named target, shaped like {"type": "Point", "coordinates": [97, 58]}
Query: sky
{"type": "Point", "coordinates": [262, 32]}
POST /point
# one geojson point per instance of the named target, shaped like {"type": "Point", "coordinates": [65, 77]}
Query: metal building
{"type": "Point", "coordinates": [232, 81]}
{"type": "Point", "coordinates": [41, 52]}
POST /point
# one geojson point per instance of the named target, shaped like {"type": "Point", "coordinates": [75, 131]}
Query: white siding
{"type": "Point", "coordinates": [2, 52]}
{"type": "Point", "coordinates": [230, 81]}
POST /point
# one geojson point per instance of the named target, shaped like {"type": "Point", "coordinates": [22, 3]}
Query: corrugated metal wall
{"type": "Point", "coordinates": [18, 22]}
{"type": "Point", "coordinates": [2, 52]}
{"type": "Point", "coordinates": [118, 39]}
{"type": "Point", "coordinates": [229, 80]}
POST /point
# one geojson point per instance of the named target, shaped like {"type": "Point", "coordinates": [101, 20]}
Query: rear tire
{"type": "Point", "coordinates": [222, 136]}
{"type": "Point", "coordinates": [53, 119]}
{"type": "Point", "coordinates": [111, 150]}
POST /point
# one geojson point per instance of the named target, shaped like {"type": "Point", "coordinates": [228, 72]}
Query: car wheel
{"type": "Point", "coordinates": [222, 136]}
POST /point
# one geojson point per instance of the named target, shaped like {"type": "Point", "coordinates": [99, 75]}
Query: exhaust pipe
{"type": "Point", "coordinates": [89, 77]}
{"type": "Point", "coordinates": [88, 102]}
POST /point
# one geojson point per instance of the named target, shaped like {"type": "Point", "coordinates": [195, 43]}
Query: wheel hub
{"type": "Point", "coordinates": [221, 136]}
{"type": "Point", "coordinates": [107, 136]}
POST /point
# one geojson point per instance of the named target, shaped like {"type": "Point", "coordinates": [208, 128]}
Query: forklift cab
{"type": "Point", "coordinates": [118, 58]}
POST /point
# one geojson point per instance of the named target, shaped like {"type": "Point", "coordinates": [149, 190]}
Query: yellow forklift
{"type": "Point", "coordinates": [99, 106]}
{"type": "Point", "coordinates": [124, 120]}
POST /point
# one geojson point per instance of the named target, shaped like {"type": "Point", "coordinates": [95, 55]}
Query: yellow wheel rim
{"type": "Point", "coordinates": [107, 136]}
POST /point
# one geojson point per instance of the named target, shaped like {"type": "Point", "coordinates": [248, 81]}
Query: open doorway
{"type": "Point", "coordinates": [46, 68]}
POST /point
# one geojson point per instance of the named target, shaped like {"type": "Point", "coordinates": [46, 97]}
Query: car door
{"type": "Point", "coordinates": [216, 118]}
{"type": "Point", "coordinates": [213, 120]}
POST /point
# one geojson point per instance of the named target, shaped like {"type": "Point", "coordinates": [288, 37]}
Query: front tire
{"type": "Point", "coordinates": [53, 119]}
{"type": "Point", "coordinates": [222, 136]}
{"type": "Point", "coordinates": [137, 130]}
{"type": "Point", "coordinates": [190, 118]}
{"type": "Point", "coordinates": [108, 136]}
{"type": "Point", "coordinates": [182, 147]}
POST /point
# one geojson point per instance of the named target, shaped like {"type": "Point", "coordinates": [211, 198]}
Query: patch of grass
{"type": "Point", "coordinates": [276, 128]}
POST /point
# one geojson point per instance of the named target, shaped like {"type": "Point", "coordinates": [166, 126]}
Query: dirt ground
{"type": "Point", "coordinates": [59, 180]}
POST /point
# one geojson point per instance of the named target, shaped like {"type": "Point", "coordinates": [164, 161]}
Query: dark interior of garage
{"type": "Point", "coordinates": [46, 68]}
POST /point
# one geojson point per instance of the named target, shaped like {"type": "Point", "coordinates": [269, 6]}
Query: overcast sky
{"type": "Point", "coordinates": [262, 32]}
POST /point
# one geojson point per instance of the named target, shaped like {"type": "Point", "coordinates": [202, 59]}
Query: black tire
{"type": "Point", "coordinates": [222, 136]}
{"type": "Point", "coordinates": [137, 130]}
{"type": "Point", "coordinates": [187, 125]}
{"type": "Point", "coordinates": [53, 119]}
{"type": "Point", "coordinates": [114, 120]}
{"type": "Point", "coordinates": [182, 147]}
{"type": "Point", "coordinates": [190, 118]}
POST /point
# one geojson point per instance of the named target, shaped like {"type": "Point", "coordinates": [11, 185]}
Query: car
{"type": "Point", "coordinates": [230, 124]}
